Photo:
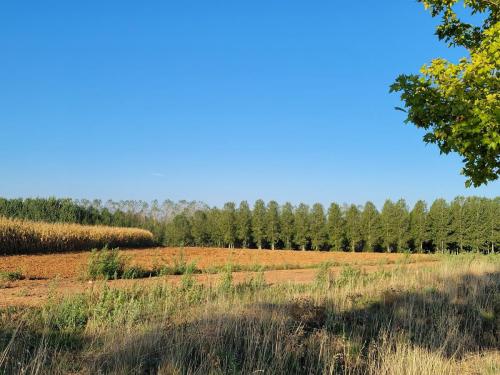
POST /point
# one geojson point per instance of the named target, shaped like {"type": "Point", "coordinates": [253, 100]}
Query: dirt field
{"type": "Point", "coordinates": [62, 273]}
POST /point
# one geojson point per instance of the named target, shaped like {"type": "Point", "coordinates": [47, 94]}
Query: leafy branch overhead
{"type": "Point", "coordinates": [459, 104]}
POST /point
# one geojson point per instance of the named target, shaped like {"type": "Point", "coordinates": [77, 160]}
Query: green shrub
{"type": "Point", "coordinates": [68, 314]}
{"type": "Point", "coordinates": [349, 275]}
{"type": "Point", "coordinates": [180, 267]}
{"type": "Point", "coordinates": [105, 264]}
{"type": "Point", "coordinates": [136, 272]}
{"type": "Point", "coordinates": [11, 275]}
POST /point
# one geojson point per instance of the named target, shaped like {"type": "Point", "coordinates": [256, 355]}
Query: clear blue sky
{"type": "Point", "coordinates": [216, 101]}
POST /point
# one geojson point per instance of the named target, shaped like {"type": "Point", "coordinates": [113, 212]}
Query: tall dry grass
{"type": "Point", "coordinates": [438, 320]}
{"type": "Point", "coordinates": [18, 237]}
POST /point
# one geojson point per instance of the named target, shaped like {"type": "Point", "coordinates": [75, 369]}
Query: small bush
{"type": "Point", "coordinates": [180, 267]}
{"type": "Point", "coordinates": [11, 275]}
{"type": "Point", "coordinates": [106, 264]}
{"type": "Point", "coordinates": [136, 272]}
{"type": "Point", "coordinates": [68, 314]}
{"type": "Point", "coordinates": [349, 275]}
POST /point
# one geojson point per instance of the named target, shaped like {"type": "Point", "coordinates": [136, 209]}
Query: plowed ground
{"type": "Point", "coordinates": [64, 273]}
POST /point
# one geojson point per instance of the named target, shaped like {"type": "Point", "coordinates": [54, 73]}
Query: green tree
{"type": "Point", "coordinates": [199, 228]}
{"type": "Point", "coordinates": [228, 222]}
{"type": "Point", "coordinates": [439, 224]}
{"type": "Point", "coordinates": [459, 104]}
{"type": "Point", "coordinates": [418, 225]}
{"type": "Point", "coordinates": [179, 231]}
{"type": "Point", "coordinates": [335, 227]}
{"type": "Point", "coordinates": [353, 226]}
{"type": "Point", "coordinates": [215, 228]}
{"type": "Point", "coordinates": [244, 224]}
{"type": "Point", "coordinates": [259, 223]}
{"type": "Point", "coordinates": [287, 225]}
{"type": "Point", "coordinates": [388, 232]}
{"type": "Point", "coordinates": [401, 224]}
{"type": "Point", "coordinates": [370, 226]}
{"type": "Point", "coordinates": [318, 226]}
{"type": "Point", "coordinates": [457, 223]}
{"type": "Point", "coordinates": [272, 224]}
{"type": "Point", "coordinates": [492, 223]}
{"type": "Point", "coordinates": [302, 226]}
{"type": "Point", "coordinates": [473, 237]}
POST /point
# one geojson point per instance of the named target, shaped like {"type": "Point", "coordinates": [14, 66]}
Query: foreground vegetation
{"type": "Point", "coordinates": [439, 320]}
{"type": "Point", "coordinates": [17, 236]}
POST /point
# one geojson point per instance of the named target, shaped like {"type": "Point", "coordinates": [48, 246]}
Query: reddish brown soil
{"type": "Point", "coordinates": [72, 265]}
{"type": "Point", "coordinates": [62, 273]}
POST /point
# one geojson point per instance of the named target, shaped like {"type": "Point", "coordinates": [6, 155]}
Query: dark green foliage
{"type": "Point", "coordinates": [287, 225]}
{"type": "Point", "coordinates": [272, 224]}
{"type": "Point", "coordinates": [259, 223]}
{"type": "Point", "coordinates": [302, 226]}
{"type": "Point", "coordinates": [439, 224]}
{"type": "Point", "coordinates": [395, 225]}
{"type": "Point", "coordinates": [335, 227]}
{"type": "Point", "coordinates": [418, 225]}
{"type": "Point", "coordinates": [229, 224]}
{"type": "Point", "coordinates": [179, 231]}
{"type": "Point", "coordinates": [457, 224]}
{"type": "Point", "coordinates": [244, 225]}
{"type": "Point", "coordinates": [353, 227]}
{"type": "Point", "coordinates": [199, 228]}
{"type": "Point", "coordinates": [318, 227]}
{"type": "Point", "coordinates": [371, 227]}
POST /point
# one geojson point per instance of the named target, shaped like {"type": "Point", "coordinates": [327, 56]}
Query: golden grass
{"type": "Point", "coordinates": [439, 320]}
{"type": "Point", "coordinates": [20, 237]}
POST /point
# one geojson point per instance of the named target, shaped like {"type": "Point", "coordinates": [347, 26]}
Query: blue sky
{"type": "Point", "coordinates": [216, 101]}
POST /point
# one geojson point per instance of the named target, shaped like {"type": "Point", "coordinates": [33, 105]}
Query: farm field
{"type": "Point", "coordinates": [70, 265]}
{"type": "Point", "coordinates": [64, 273]}
{"type": "Point", "coordinates": [212, 188]}
{"type": "Point", "coordinates": [357, 314]}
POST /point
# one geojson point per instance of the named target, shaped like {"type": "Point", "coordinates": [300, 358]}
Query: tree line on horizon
{"type": "Point", "coordinates": [464, 224]}
{"type": "Point", "coordinates": [152, 216]}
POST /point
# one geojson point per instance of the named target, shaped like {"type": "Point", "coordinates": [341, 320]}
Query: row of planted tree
{"type": "Point", "coordinates": [464, 224]}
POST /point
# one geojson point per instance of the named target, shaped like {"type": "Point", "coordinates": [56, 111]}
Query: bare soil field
{"type": "Point", "coordinates": [62, 274]}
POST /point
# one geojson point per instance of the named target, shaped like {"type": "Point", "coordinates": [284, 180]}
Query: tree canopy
{"type": "Point", "coordinates": [458, 104]}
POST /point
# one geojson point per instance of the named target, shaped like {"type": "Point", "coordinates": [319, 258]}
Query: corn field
{"type": "Point", "coordinates": [18, 236]}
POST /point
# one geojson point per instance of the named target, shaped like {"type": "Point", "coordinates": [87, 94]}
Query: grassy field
{"type": "Point", "coordinates": [30, 279]}
{"type": "Point", "coordinates": [434, 319]}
